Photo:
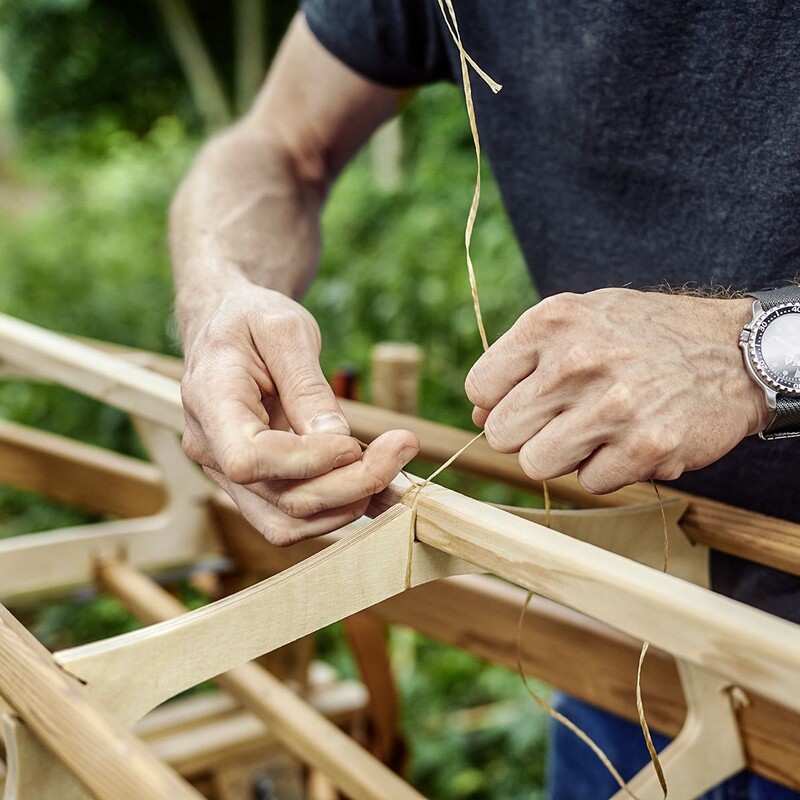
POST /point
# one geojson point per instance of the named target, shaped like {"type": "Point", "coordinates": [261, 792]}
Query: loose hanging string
{"type": "Point", "coordinates": [451, 21]}
{"type": "Point", "coordinates": [648, 739]}
{"type": "Point", "coordinates": [452, 26]}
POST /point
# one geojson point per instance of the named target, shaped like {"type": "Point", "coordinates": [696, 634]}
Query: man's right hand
{"type": "Point", "coordinates": [265, 425]}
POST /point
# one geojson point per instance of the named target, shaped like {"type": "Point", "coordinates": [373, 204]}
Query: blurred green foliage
{"type": "Point", "coordinates": [105, 132]}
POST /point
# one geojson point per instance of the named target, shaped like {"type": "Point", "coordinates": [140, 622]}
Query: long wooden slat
{"type": "Point", "coordinates": [303, 730]}
{"type": "Point", "coordinates": [110, 761]}
{"type": "Point", "coordinates": [767, 753]}
{"type": "Point", "coordinates": [766, 540]}
{"type": "Point", "coordinates": [736, 641]}
{"type": "Point", "coordinates": [584, 658]}
{"type": "Point", "coordinates": [71, 472]}
{"type": "Point", "coordinates": [43, 354]}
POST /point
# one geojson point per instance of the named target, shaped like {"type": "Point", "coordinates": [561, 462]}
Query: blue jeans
{"type": "Point", "coordinates": [575, 773]}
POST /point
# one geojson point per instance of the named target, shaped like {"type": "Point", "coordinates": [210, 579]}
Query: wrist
{"type": "Point", "coordinates": [196, 300]}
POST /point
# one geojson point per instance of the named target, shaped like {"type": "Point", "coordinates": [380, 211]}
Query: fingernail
{"type": "Point", "coordinates": [406, 454]}
{"type": "Point", "coordinates": [344, 459]}
{"type": "Point", "coordinates": [329, 422]}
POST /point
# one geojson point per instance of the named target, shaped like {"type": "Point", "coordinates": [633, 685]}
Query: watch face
{"type": "Point", "coordinates": [775, 348]}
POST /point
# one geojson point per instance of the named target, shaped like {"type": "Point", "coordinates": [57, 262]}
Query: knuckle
{"type": "Point", "coordinates": [579, 359]}
{"type": "Point", "coordinates": [651, 445]}
{"type": "Point", "coordinates": [240, 463]}
{"type": "Point", "coordinates": [669, 472]}
{"type": "Point", "coordinates": [618, 403]}
{"type": "Point", "coordinates": [298, 506]}
{"type": "Point", "coordinates": [532, 465]}
{"type": "Point", "coordinates": [557, 308]}
{"type": "Point", "coordinates": [276, 533]}
{"type": "Point", "coordinates": [191, 445]}
{"type": "Point", "coordinates": [592, 484]}
{"type": "Point", "coordinates": [304, 384]}
{"type": "Point", "coordinates": [497, 435]}
{"type": "Point", "coordinates": [374, 483]}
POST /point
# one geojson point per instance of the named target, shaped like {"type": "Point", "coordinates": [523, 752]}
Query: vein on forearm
{"type": "Point", "coordinates": [247, 210]}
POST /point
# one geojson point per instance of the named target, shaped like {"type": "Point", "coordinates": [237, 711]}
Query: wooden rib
{"type": "Point", "coordinates": [110, 761]}
{"type": "Point", "coordinates": [769, 730]}
{"type": "Point", "coordinates": [293, 722]}
{"type": "Point", "coordinates": [156, 663]}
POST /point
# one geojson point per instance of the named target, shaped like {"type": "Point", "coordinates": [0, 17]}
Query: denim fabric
{"type": "Point", "coordinates": [575, 773]}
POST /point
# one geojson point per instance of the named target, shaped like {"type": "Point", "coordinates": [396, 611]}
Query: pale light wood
{"type": "Point", "coordinates": [105, 757]}
{"type": "Point", "coordinates": [178, 534]}
{"type": "Point", "coordinates": [196, 734]}
{"type": "Point", "coordinates": [764, 752]}
{"type": "Point", "coordinates": [636, 532]}
{"type": "Point", "coordinates": [766, 540]}
{"type": "Point", "coordinates": [565, 649]}
{"type": "Point", "coordinates": [395, 376]}
{"type": "Point", "coordinates": [293, 722]}
{"type": "Point", "coordinates": [70, 472]}
{"type": "Point", "coordinates": [43, 354]}
{"type": "Point", "coordinates": [360, 570]}
{"type": "Point", "coordinates": [368, 642]}
{"type": "Point", "coordinates": [758, 652]}
{"type": "Point", "coordinates": [707, 751]}
{"type": "Point", "coordinates": [750, 647]}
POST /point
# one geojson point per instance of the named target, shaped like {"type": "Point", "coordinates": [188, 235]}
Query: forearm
{"type": "Point", "coordinates": [247, 212]}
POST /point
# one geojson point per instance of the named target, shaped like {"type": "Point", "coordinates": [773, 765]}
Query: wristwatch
{"type": "Point", "coordinates": [771, 346]}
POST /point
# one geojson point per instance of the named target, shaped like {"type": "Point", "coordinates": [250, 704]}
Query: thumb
{"type": "Point", "coordinates": [307, 399]}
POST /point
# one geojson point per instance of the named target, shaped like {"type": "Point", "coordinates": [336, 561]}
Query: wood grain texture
{"type": "Point", "coordinates": [749, 647]}
{"type": "Point", "coordinates": [156, 663]}
{"type": "Point", "coordinates": [50, 356]}
{"type": "Point", "coordinates": [293, 722]}
{"type": "Point", "coordinates": [107, 759]}
{"type": "Point", "coordinates": [561, 647]}
{"type": "Point", "coordinates": [71, 472]}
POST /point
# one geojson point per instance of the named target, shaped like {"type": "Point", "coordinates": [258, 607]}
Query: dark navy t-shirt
{"type": "Point", "coordinates": [635, 143]}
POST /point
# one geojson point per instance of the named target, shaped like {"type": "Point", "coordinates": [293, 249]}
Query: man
{"type": "Point", "coordinates": [636, 145]}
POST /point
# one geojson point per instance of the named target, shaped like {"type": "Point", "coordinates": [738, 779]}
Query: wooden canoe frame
{"type": "Point", "coordinates": [731, 694]}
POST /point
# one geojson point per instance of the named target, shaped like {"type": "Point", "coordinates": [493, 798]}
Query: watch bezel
{"type": "Point", "coordinates": [758, 364]}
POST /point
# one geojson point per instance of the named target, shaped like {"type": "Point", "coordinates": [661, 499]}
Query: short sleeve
{"type": "Point", "coordinates": [393, 42]}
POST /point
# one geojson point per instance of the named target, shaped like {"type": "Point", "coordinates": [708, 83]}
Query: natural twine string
{"type": "Point", "coordinates": [648, 739]}
{"type": "Point", "coordinates": [449, 14]}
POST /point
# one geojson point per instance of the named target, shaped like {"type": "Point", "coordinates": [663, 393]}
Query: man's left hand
{"type": "Point", "coordinates": [621, 385]}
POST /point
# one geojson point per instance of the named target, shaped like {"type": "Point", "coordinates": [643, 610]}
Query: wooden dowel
{"type": "Point", "coordinates": [107, 759]}
{"type": "Point", "coordinates": [395, 376]}
{"type": "Point", "coordinates": [298, 726]}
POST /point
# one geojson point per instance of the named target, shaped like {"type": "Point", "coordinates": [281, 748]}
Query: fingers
{"type": "Point", "coordinates": [235, 443]}
{"type": "Point", "coordinates": [510, 359]}
{"type": "Point", "coordinates": [293, 362]}
{"type": "Point", "coordinates": [380, 464]}
{"type": "Point", "coordinates": [288, 511]}
{"type": "Point", "coordinates": [644, 453]}
{"type": "Point", "coordinates": [228, 427]}
{"type": "Point", "coordinates": [522, 413]}
{"type": "Point", "coordinates": [278, 528]}
{"type": "Point", "coordinates": [559, 447]}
